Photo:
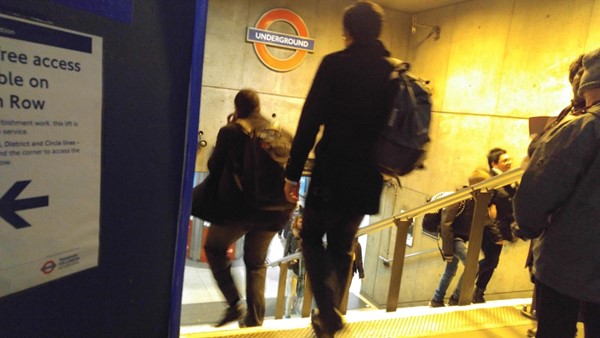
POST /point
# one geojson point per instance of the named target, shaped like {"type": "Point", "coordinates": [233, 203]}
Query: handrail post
{"type": "Point", "coordinates": [308, 296]}
{"type": "Point", "coordinates": [480, 215]}
{"type": "Point", "coordinates": [398, 263]}
{"type": "Point", "coordinates": [280, 302]}
{"type": "Point", "coordinates": [344, 303]}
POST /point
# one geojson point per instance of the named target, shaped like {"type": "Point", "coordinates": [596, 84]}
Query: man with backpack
{"type": "Point", "coordinates": [350, 97]}
{"type": "Point", "coordinates": [455, 228]}
{"type": "Point", "coordinates": [236, 216]}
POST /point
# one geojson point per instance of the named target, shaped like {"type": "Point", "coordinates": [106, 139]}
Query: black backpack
{"type": "Point", "coordinates": [433, 221]}
{"type": "Point", "coordinates": [266, 151]}
{"type": "Point", "coordinates": [402, 142]}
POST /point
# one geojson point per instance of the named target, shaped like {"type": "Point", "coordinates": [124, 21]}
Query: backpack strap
{"type": "Point", "coordinates": [399, 65]}
{"type": "Point", "coordinates": [401, 72]}
{"type": "Point", "coordinates": [246, 127]}
{"type": "Point", "coordinates": [406, 80]}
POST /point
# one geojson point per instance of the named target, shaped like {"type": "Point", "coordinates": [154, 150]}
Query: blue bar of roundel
{"type": "Point", "coordinates": [119, 10]}
{"type": "Point", "coordinates": [46, 36]}
{"type": "Point", "coordinates": [252, 37]}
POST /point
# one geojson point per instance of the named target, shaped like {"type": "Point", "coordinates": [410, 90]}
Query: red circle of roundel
{"type": "Point", "coordinates": [48, 267]}
{"type": "Point", "coordinates": [266, 20]}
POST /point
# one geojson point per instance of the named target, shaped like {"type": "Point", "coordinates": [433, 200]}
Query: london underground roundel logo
{"type": "Point", "coordinates": [48, 267]}
{"type": "Point", "coordinates": [261, 37]}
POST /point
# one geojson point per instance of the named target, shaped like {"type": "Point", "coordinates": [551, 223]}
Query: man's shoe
{"type": "Point", "coordinates": [232, 314]}
{"type": "Point", "coordinates": [321, 330]}
{"type": "Point", "coordinates": [527, 312]}
{"type": "Point", "coordinates": [478, 300]}
{"type": "Point", "coordinates": [242, 324]}
{"type": "Point", "coordinates": [435, 303]}
{"type": "Point", "coordinates": [453, 301]}
{"type": "Point", "coordinates": [478, 296]}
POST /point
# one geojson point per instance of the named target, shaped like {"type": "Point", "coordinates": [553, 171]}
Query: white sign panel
{"type": "Point", "coordinates": [50, 124]}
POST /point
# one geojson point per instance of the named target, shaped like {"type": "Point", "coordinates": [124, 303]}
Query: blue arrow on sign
{"type": "Point", "coordinates": [9, 204]}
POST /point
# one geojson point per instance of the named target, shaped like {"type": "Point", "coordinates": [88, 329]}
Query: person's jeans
{"type": "Point", "coordinates": [291, 286]}
{"type": "Point", "coordinates": [460, 253]}
{"type": "Point", "coordinates": [557, 314]}
{"type": "Point", "coordinates": [256, 244]}
{"type": "Point", "coordinates": [328, 267]}
{"type": "Point", "coordinates": [491, 253]}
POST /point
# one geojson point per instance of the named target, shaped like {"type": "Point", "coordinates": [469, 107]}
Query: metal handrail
{"type": "Point", "coordinates": [290, 257]}
{"type": "Point", "coordinates": [402, 220]}
{"type": "Point", "coordinates": [386, 261]}
{"type": "Point", "coordinates": [432, 206]}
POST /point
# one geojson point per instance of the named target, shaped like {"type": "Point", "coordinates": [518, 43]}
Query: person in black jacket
{"type": "Point", "coordinates": [495, 233]}
{"type": "Point", "coordinates": [238, 219]}
{"type": "Point", "coordinates": [575, 108]}
{"type": "Point", "coordinates": [557, 204]}
{"type": "Point", "coordinates": [350, 97]}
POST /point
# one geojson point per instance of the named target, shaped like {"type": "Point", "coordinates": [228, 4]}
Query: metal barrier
{"type": "Point", "coordinates": [481, 192]}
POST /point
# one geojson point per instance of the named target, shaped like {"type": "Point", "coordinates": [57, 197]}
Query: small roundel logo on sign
{"type": "Point", "coordinates": [48, 267]}
{"type": "Point", "coordinates": [263, 38]}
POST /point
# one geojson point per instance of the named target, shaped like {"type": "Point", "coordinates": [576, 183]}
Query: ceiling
{"type": "Point", "coordinates": [415, 6]}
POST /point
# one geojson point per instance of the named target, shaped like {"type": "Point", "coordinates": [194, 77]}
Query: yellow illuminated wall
{"type": "Point", "coordinates": [496, 63]}
{"type": "Point", "coordinates": [230, 63]}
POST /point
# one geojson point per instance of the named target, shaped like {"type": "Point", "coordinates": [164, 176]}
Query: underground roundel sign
{"type": "Point", "coordinates": [262, 37]}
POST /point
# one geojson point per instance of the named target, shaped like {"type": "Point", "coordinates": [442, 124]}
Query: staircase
{"type": "Point", "coordinates": [500, 318]}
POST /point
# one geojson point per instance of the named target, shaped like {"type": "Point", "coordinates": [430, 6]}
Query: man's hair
{"type": "Point", "coordinates": [296, 221]}
{"type": "Point", "coordinates": [575, 73]}
{"type": "Point", "coordinates": [363, 21]}
{"type": "Point", "coordinates": [246, 102]}
{"type": "Point", "coordinates": [576, 67]}
{"type": "Point", "coordinates": [494, 155]}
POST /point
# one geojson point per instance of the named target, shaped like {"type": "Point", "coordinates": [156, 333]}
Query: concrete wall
{"type": "Point", "coordinates": [231, 64]}
{"type": "Point", "coordinates": [497, 63]}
